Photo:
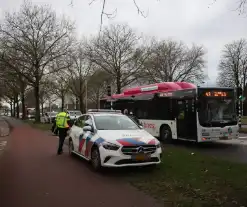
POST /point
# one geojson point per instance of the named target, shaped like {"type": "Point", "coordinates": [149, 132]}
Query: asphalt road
{"type": "Point", "coordinates": [233, 150]}
{"type": "Point", "coordinates": [32, 175]}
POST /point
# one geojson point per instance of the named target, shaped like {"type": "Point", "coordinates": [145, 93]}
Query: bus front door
{"type": "Point", "coordinates": [186, 120]}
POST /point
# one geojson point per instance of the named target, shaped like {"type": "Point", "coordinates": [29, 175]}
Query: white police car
{"type": "Point", "coordinates": [108, 138]}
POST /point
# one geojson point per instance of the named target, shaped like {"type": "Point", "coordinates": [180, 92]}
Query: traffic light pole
{"type": "Point", "coordinates": [239, 113]}
{"type": "Point", "coordinates": [240, 105]}
{"type": "Point", "coordinates": [109, 93]}
{"type": "Point", "coordinates": [111, 105]}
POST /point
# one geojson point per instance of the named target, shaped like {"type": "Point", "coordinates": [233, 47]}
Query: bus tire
{"type": "Point", "coordinates": [165, 134]}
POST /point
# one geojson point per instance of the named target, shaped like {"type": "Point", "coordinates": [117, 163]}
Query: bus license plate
{"type": "Point", "coordinates": [141, 157]}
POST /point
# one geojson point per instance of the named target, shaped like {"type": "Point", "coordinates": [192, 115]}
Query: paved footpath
{"type": "Point", "coordinates": [32, 175]}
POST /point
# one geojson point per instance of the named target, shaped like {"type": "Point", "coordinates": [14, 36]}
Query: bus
{"type": "Point", "coordinates": [181, 110]}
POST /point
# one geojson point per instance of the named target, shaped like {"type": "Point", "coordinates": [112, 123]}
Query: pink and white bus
{"type": "Point", "coordinates": [181, 110]}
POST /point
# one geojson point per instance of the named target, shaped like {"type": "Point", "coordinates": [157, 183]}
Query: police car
{"type": "Point", "coordinates": [108, 138]}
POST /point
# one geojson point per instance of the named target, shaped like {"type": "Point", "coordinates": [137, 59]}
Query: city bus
{"type": "Point", "coordinates": [181, 110]}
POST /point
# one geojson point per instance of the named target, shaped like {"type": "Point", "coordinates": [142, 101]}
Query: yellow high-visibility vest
{"type": "Point", "coordinates": [61, 120]}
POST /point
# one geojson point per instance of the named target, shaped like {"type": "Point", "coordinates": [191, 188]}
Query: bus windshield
{"type": "Point", "coordinates": [217, 110]}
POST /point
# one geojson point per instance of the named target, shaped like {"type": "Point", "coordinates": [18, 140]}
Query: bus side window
{"type": "Point", "coordinates": [142, 108]}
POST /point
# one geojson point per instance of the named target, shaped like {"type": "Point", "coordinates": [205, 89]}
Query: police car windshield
{"type": "Point", "coordinates": [111, 122]}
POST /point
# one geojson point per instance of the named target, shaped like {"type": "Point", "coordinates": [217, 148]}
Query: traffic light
{"type": "Point", "coordinates": [109, 90]}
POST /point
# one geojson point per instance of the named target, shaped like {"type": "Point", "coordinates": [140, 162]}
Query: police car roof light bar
{"type": "Point", "coordinates": [104, 110]}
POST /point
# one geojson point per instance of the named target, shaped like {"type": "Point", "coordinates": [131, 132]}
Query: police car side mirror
{"type": "Point", "coordinates": [87, 128]}
{"type": "Point", "coordinates": [141, 126]}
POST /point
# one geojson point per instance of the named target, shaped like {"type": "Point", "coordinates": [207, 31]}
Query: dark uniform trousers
{"type": "Point", "coordinates": [62, 133]}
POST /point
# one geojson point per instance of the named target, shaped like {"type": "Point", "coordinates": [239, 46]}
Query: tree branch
{"type": "Point", "coordinates": [114, 13]}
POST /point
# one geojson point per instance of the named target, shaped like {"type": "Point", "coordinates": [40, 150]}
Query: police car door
{"type": "Point", "coordinates": [77, 132]}
{"type": "Point", "coordinates": [85, 139]}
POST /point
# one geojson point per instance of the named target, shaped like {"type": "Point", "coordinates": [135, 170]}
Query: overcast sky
{"type": "Point", "coordinates": [192, 21]}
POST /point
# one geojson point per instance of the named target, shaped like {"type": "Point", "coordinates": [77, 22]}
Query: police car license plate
{"type": "Point", "coordinates": [141, 157]}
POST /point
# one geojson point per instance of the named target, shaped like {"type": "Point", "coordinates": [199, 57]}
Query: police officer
{"type": "Point", "coordinates": [63, 124]}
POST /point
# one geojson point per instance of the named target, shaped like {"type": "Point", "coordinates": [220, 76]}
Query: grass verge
{"type": "Point", "coordinates": [41, 126]}
{"type": "Point", "coordinates": [187, 179]}
{"type": "Point", "coordinates": [244, 120]}
{"type": "Point", "coordinates": [243, 130]}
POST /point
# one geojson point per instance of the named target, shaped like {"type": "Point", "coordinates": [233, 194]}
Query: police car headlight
{"type": "Point", "coordinates": [110, 146]}
{"type": "Point", "coordinates": [158, 145]}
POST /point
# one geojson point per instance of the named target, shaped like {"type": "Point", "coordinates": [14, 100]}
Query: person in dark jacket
{"type": "Point", "coordinates": [132, 117]}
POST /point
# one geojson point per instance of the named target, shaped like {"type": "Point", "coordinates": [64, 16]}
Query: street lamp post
{"type": "Point", "coordinates": [86, 94]}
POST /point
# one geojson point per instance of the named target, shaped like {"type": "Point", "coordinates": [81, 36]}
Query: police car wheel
{"type": "Point", "coordinates": [95, 159]}
{"type": "Point", "coordinates": [71, 147]}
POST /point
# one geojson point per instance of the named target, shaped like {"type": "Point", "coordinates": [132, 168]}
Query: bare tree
{"type": "Point", "coordinates": [60, 86]}
{"type": "Point", "coordinates": [35, 37]}
{"type": "Point", "coordinates": [46, 93]}
{"type": "Point", "coordinates": [174, 61]}
{"type": "Point", "coordinates": [233, 64]}
{"type": "Point", "coordinates": [97, 86]}
{"type": "Point", "coordinates": [16, 86]}
{"type": "Point", "coordinates": [15, 80]}
{"type": "Point", "coordinates": [240, 6]}
{"type": "Point", "coordinates": [116, 51]}
{"type": "Point", "coordinates": [80, 70]}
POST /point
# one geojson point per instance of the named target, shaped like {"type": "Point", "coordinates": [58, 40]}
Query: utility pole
{"type": "Point", "coordinates": [86, 94]}
{"type": "Point", "coordinates": [109, 94]}
{"type": "Point", "coordinates": [240, 105]}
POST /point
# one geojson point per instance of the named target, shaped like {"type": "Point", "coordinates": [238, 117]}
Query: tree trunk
{"type": "Point", "coordinates": [17, 107]}
{"type": "Point", "coordinates": [11, 108]}
{"type": "Point", "coordinates": [14, 107]}
{"type": "Point", "coordinates": [81, 104]}
{"type": "Point", "coordinates": [42, 109]}
{"type": "Point", "coordinates": [23, 105]}
{"type": "Point", "coordinates": [37, 105]}
{"type": "Point", "coordinates": [97, 99]}
{"type": "Point", "coordinates": [118, 85]}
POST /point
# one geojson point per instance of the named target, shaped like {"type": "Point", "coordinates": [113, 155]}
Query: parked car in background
{"type": "Point", "coordinates": [31, 115]}
{"type": "Point", "coordinates": [74, 114]}
{"type": "Point", "coordinates": [49, 117]}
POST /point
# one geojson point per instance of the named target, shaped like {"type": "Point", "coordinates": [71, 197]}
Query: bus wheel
{"type": "Point", "coordinates": [165, 134]}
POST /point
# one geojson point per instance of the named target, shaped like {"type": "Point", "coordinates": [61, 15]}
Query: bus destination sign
{"type": "Point", "coordinates": [216, 94]}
